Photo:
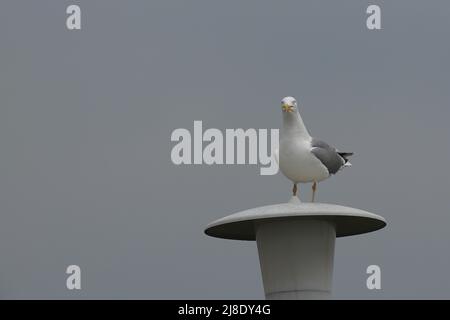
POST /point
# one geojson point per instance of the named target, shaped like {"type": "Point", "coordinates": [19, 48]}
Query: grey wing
{"type": "Point", "coordinates": [328, 155]}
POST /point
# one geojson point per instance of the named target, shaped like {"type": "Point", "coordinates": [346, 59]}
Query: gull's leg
{"type": "Point", "coordinates": [294, 190]}
{"type": "Point", "coordinates": [314, 188]}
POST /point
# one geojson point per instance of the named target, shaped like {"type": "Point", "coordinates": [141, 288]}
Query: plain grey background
{"type": "Point", "coordinates": [86, 117]}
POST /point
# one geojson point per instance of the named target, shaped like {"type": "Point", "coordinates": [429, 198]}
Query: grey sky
{"type": "Point", "coordinates": [86, 118]}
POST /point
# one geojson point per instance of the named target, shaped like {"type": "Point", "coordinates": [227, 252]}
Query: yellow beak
{"type": "Point", "coordinates": [287, 108]}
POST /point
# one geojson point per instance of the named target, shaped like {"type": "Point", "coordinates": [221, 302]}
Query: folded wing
{"type": "Point", "coordinates": [329, 156]}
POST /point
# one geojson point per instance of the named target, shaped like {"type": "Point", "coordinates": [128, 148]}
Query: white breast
{"type": "Point", "coordinates": [297, 162]}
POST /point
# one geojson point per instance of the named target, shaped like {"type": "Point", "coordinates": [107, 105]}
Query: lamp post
{"type": "Point", "coordinates": [296, 243]}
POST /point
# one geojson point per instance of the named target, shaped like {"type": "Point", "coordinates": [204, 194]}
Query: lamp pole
{"type": "Point", "coordinates": [295, 243]}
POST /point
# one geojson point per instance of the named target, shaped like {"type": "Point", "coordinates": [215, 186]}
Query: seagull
{"type": "Point", "coordinates": [302, 158]}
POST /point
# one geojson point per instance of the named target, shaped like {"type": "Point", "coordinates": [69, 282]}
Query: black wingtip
{"type": "Point", "coordinates": [345, 155]}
